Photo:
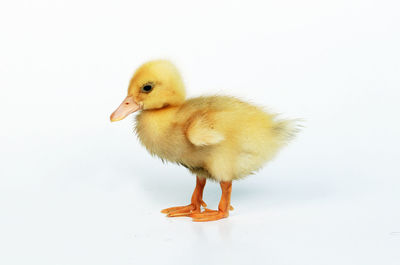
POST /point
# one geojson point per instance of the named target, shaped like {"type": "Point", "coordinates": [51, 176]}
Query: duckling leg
{"type": "Point", "coordinates": [223, 207]}
{"type": "Point", "coordinates": [194, 206]}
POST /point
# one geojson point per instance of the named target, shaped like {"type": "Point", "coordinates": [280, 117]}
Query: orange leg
{"type": "Point", "coordinates": [223, 207]}
{"type": "Point", "coordinates": [194, 206]}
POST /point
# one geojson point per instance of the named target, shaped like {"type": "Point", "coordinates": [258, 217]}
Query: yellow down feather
{"type": "Point", "coordinates": [216, 137]}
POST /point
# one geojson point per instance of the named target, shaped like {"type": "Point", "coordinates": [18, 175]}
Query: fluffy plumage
{"type": "Point", "coordinates": [217, 137]}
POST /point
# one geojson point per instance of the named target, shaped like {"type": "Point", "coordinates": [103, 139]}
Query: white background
{"type": "Point", "coordinates": [76, 189]}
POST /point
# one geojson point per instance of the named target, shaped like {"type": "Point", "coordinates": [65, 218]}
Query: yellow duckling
{"type": "Point", "coordinates": [218, 137]}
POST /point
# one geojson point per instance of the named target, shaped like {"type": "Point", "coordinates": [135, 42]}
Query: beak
{"type": "Point", "coordinates": [127, 107]}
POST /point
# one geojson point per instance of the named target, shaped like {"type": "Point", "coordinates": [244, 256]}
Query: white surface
{"type": "Point", "coordinates": [75, 189]}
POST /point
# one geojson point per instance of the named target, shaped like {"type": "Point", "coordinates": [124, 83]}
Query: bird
{"type": "Point", "coordinates": [218, 138]}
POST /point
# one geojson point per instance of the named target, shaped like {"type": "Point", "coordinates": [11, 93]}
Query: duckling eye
{"type": "Point", "coordinates": [147, 88]}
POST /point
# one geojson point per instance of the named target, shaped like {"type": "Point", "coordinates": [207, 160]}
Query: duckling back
{"type": "Point", "coordinates": [251, 136]}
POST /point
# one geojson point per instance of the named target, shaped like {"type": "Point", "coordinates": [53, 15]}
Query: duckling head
{"type": "Point", "coordinates": [155, 85]}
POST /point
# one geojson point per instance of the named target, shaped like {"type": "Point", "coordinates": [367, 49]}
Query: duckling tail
{"type": "Point", "coordinates": [286, 130]}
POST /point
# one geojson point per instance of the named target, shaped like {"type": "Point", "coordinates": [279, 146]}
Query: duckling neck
{"type": "Point", "coordinates": [153, 128]}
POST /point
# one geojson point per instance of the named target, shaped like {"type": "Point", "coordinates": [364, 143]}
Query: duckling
{"type": "Point", "coordinates": [219, 138]}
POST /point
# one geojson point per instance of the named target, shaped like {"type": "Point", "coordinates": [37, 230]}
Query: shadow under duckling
{"type": "Point", "coordinates": [217, 137]}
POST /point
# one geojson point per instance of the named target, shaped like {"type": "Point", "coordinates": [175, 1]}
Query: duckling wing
{"type": "Point", "coordinates": [201, 131]}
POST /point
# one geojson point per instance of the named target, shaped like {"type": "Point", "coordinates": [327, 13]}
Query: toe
{"type": "Point", "coordinates": [173, 209]}
{"type": "Point", "coordinates": [178, 214]}
{"type": "Point", "coordinates": [208, 215]}
{"type": "Point", "coordinates": [183, 211]}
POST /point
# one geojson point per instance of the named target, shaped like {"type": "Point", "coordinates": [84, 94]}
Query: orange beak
{"type": "Point", "coordinates": [127, 107]}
